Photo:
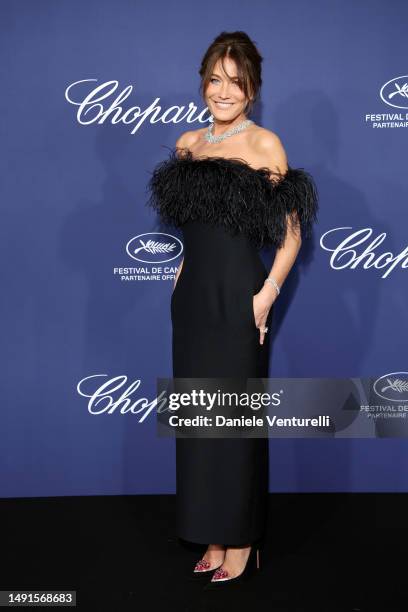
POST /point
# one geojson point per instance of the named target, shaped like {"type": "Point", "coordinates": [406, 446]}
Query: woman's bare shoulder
{"type": "Point", "coordinates": [269, 147]}
{"type": "Point", "coordinates": [189, 138]}
{"type": "Point", "coordinates": [265, 139]}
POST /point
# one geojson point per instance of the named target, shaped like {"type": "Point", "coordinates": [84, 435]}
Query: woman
{"type": "Point", "coordinates": [230, 189]}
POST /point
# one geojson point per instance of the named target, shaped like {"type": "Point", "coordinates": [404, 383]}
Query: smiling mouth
{"type": "Point", "coordinates": [223, 104]}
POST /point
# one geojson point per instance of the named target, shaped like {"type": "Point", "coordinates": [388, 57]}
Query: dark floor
{"type": "Point", "coordinates": [323, 552]}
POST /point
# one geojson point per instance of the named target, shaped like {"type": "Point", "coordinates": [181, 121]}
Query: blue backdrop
{"type": "Point", "coordinates": [78, 312]}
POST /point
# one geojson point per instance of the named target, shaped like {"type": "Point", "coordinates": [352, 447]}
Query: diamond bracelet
{"type": "Point", "coordinates": [271, 280]}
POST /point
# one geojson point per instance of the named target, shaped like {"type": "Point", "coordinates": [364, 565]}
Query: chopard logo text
{"type": "Point", "coordinates": [357, 249]}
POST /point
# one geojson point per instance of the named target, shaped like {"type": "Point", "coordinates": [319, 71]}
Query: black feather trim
{"type": "Point", "coordinates": [229, 192]}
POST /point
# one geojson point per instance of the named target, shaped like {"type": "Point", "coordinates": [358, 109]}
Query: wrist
{"type": "Point", "coordinates": [272, 285]}
{"type": "Point", "coordinates": [269, 294]}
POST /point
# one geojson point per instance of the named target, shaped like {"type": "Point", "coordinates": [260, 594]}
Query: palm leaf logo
{"type": "Point", "coordinates": [403, 91]}
{"type": "Point", "coordinates": [397, 385]}
{"type": "Point", "coordinates": [154, 247]}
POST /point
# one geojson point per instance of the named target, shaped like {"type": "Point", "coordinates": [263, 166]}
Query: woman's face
{"type": "Point", "coordinates": [225, 99]}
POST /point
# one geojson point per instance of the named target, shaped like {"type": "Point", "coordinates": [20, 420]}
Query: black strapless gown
{"type": "Point", "coordinates": [227, 211]}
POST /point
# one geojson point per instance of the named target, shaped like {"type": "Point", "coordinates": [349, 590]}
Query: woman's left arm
{"type": "Point", "coordinates": [273, 151]}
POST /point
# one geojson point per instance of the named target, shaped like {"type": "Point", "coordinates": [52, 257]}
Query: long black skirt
{"type": "Point", "coordinates": [222, 483]}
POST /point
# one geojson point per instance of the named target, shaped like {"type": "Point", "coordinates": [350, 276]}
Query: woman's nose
{"type": "Point", "coordinates": [225, 90]}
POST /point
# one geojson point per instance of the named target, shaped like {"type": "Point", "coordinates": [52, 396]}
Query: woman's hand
{"type": "Point", "coordinates": [262, 303]}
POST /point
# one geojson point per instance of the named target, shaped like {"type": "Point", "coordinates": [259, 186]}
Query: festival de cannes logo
{"type": "Point", "coordinates": [154, 247]}
{"type": "Point", "coordinates": [392, 387]}
{"type": "Point", "coordinates": [395, 92]}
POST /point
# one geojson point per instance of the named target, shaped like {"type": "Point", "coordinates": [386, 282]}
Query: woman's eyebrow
{"type": "Point", "coordinates": [217, 75]}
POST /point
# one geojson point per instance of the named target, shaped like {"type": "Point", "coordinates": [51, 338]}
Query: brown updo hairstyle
{"type": "Point", "coordinates": [240, 48]}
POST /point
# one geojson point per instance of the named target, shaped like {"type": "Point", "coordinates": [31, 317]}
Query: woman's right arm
{"type": "Point", "coordinates": [178, 273]}
{"type": "Point", "coordinates": [185, 140]}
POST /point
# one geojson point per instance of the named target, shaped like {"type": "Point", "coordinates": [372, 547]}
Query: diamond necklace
{"type": "Point", "coordinates": [234, 130]}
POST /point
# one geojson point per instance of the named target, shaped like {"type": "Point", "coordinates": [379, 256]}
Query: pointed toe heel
{"type": "Point", "coordinates": [220, 577]}
{"type": "Point", "coordinates": [202, 571]}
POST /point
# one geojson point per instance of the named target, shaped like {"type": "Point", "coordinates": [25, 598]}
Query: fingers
{"type": "Point", "coordinates": [261, 325]}
{"type": "Point", "coordinates": [263, 330]}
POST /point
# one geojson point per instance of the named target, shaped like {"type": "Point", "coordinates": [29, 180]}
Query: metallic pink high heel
{"type": "Point", "coordinates": [220, 576]}
{"type": "Point", "coordinates": [201, 570]}
{"type": "Point", "coordinates": [202, 566]}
